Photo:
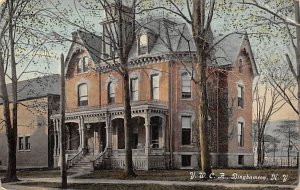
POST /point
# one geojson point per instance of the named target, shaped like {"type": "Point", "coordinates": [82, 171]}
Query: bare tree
{"type": "Point", "coordinates": [15, 33]}
{"type": "Point", "coordinates": [288, 130]}
{"type": "Point", "coordinates": [267, 101]}
{"type": "Point", "coordinates": [278, 14]}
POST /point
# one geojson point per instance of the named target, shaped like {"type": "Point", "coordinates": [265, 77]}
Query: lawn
{"type": "Point", "coordinates": [289, 174]}
{"type": "Point", "coordinates": [283, 175]}
{"type": "Point", "coordinates": [142, 187]}
{"type": "Point", "coordinates": [35, 173]}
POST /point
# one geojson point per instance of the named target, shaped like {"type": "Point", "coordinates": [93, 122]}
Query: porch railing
{"type": "Point", "coordinates": [99, 158]}
{"type": "Point", "coordinates": [75, 158]}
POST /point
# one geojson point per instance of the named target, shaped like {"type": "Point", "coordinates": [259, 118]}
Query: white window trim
{"type": "Point", "coordinates": [240, 120]}
{"type": "Point", "coordinates": [240, 84]}
{"type": "Point", "coordinates": [24, 145]}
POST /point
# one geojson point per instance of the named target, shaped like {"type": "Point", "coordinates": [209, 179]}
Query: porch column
{"type": "Point", "coordinates": [147, 129]}
{"type": "Point", "coordinates": [80, 134]}
{"type": "Point", "coordinates": [163, 128]}
{"type": "Point", "coordinates": [100, 139]}
{"type": "Point", "coordinates": [68, 137]}
{"type": "Point", "coordinates": [147, 142]}
{"type": "Point", "coordinates": [108, 128]}
{"type": "Point", "coordinates": [95, 136]}
{"type": "Point", "coordinates": [58, 136]}
{"type": "Point", "coordinates": [83, 135]}
{"type": "Point", "coordinates": [54, 138]}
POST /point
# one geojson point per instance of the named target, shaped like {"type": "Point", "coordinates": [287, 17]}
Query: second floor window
{"type": "Point", "coordinates": [83, 95]}
{"type": "Point", "coordinates": [241, 96]}
{"type": "Point", "coordinates": [83, 65]}
{"type": "Point", "coordinates": [186, 124]}
{"type": "Point", "coordinates": [155, 87]}
{"type": "Point", "coordinates": [111, 92]}
{"type": "Point", "coordinates": [134, 89]}
{"type": "Point", "coordinates": [185, 86]}
{"type": "Point", "coordinates": [240, 134]}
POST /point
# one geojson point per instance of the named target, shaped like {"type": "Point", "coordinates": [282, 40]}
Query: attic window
{"type": "Point", "coordinates": [83, 65]}
{"type": "Point", "coordinates": [240, 65]}
{"type": "Point", "coordinates": [143, 44]}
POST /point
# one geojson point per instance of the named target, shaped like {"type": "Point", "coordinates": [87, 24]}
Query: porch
{"type": "Point", "coordinates": [99, 135]}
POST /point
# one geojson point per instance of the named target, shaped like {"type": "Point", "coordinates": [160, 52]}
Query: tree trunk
{"type": "Point", "coordinates": [63, 167]}
{"type": "Point", "coordinates": [297, 19]}
{"type": "Point", "coordinates": [11, 173]}
{"type": "Point", "coordinates": [201, 66]}
{"type": "Point", "coordinates": [128, 170]}
{"type": "Point", "coordinates": [259, 154]}
{"type": "Point", "coordinates": [11, 128]}
{"type": "Point", "coordinates": [203, 119]}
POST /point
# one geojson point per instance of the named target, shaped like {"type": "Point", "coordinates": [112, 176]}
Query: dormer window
{"type": "Point", "coordinates": [83, 65]}
{"type": "Point", "coordinates": [143, 44]}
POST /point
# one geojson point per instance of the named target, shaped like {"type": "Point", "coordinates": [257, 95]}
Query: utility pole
{"type": "Point", "coordinates": [289, 146]}
{"type": "Point", "coordinates": [63, 167]}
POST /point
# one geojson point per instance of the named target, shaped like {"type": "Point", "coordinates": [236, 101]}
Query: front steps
{"type": "Point", "coordinates": [83, 167]}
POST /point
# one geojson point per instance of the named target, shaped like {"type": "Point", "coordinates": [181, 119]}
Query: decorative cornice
{"type": "Point", "coordinates": [148, 60]}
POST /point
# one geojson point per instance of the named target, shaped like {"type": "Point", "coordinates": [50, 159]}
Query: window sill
{"type": "Point", "coordinates": [187, 146]}
{"type": "Point", "coordinates": [240, 108]}
{"type": "Point", "coordinates": [186, 99]}
{"type": "Point", "coordinates": [186, 168]}
{"type": "Point", "coordinates": [24, 150]}
{"type": "Point", "coordinates": [82, 73]}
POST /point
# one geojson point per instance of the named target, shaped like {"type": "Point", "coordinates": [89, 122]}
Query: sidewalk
{"type": "Point", "coordinates": [18, 185]}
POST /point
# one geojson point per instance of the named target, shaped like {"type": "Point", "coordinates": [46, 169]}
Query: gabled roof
{"type": "Point", "coordinates": [37, 87]}
{"type": "Point", "coordinates": [227, 50]}
{"type": "Point", "coordinates": [85, 40]}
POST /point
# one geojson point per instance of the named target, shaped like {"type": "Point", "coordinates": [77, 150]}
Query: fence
{"type": "Point", "coordinates": [281, 161]}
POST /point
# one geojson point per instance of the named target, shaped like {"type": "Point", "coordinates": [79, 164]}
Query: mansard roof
{"type": "Point", "coordinates": [37, 87]}
{"type": "Point", "coordinates": [166, 37]}
{"type": "Point", "coordinates": [169, 36]}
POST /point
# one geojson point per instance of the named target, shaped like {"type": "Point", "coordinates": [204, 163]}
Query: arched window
{"type": "Point", "coordinates": [240, 65]}
{"type": "Point", "coordinates": [186, 90]}
{"type": "Point", "coordinates": [83, 95]}
{"type": "Point", "coordinates": [111, 92]}
{"type": "Point", "coordinates": [143, 44]}
{"type": "Point", "coordinates": [83, 65]}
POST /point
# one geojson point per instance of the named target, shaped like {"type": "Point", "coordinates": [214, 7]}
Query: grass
{"type": "Point", "coordinates": [184, 175]}
{"type": "Point", "coordinates": [35, 173]}
{"type": "Point", "coordinates": [140, 187]}
{"type": "Point", "coordinates": [177, 175]}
